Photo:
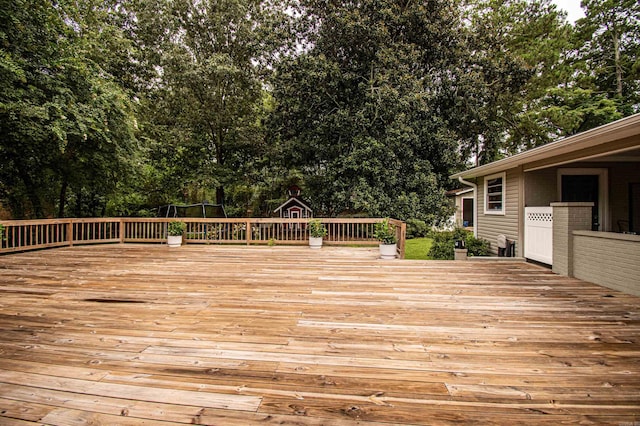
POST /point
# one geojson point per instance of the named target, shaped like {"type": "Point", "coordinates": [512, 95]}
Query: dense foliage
{"type": "Point", "coordinates": [417, 228]}
{"type": "Point", "coordinates": [443, 244]}
{"type": "Point", "coordinates": [113, 107]}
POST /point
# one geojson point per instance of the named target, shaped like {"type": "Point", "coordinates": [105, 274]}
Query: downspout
{"type": "Point", "coordinates": [475, 204]}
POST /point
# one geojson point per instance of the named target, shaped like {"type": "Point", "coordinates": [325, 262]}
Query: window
{"type": "Point", "coordinates": [494, 194]}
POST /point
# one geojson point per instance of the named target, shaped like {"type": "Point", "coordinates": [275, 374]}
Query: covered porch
{"type": "Point", "coordinates": [236, 335]}
{"type": "Point", "coordinates": [589, 226]}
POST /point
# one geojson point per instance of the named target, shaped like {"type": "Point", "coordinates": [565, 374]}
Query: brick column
{"type": "Point", "coordinates": [568, 217]}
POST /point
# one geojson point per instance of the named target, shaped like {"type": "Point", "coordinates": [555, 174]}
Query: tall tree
{"type": "Point", "coordinates": [64, 122]}
{"type": "Point", "coordinates": [599, 75]}
{"type": "Point", "coordinates": [358, 112]}
{"type": "Point", "coordinates": [610, 33]}
{"type": "Point", "coordinates": [209, 88]}
{"type": "Point", "coordinates": [516, 49]}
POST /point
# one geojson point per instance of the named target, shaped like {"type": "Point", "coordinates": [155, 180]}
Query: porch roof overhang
{"type": "Point", "coordinates": [616, 137]}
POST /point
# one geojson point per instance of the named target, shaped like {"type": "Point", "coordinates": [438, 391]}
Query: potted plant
{"type": "Point", "coordinates": [316, 232]}
{"type": "Point", "coordinates": [385, 232]}
{"type": "Point", "coordinates": [175, 229]}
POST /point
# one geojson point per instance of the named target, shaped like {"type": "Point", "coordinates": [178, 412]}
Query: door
{"type": "Point", "coordinates": [586, 185]}
{"type": "Point", "coordinates": [467, 212]}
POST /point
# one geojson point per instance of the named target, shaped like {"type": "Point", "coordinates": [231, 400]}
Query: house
{"type": "Point", "coordinates": [463, 200]}
{"type": "Point", "coordinates": [294, 207]}
{"type": "Point", "coordinates": [573, 204]}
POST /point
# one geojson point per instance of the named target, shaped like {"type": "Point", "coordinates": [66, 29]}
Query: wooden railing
{"type": "Point", "coordinates": [40, 234]}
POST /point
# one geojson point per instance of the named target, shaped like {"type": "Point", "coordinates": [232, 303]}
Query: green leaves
{"type": "Point", "coordinates": [64, 122]}
{"type": "Point", "coordinates": [357, 113]}
{"type": "Point", "coordinates": [370, 105]}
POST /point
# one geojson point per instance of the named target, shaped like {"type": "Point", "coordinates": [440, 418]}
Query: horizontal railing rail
{"type": "Point", "coordinates": [22, 235]}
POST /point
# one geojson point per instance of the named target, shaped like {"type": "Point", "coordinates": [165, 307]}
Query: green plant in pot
{"type": "Point", "coordinates": [316, 232]}
{"type": "Point", "coordinates": [175, 230]}
{"type": "Point", "coordinates": [385, 232]}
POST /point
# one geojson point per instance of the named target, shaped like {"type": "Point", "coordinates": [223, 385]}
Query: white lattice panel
{"type": "Point", "coordinates": [538, 234]}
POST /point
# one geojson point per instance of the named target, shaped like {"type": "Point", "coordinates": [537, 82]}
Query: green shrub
{"type": "Point", "coordinates": [443, 243]}
{"type": "Point", "coordinates": [317, 229]}
{"type": "Point", "coordinates": [176, 228]}
{"type": "Point", "coordinates": [385, 232]}
{"type": "Point", "coordinates": [417, 228]}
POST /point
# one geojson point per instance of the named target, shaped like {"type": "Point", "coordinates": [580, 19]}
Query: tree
{"type": "Point", "coordinates": [610, 34]}
{"type": "Point", "coordinates": [64, 123]}
{"type": "Point", "coordinates": [358, 113]}
{"type": "Point", "coordinates": [516, 51]}
{"type": "Point", "coordinates": [208, 91]}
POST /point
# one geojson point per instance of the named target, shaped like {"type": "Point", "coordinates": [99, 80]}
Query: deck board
{"type": "Point", "coordinates": [235, 335]}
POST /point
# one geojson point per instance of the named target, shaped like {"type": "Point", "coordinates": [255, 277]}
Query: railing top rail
{"type": "Point", "coordinates": [191, 219]}
{"type": "Point", "coordinates": [35, 222]}
{"type": "Point", "coordinates": [255, 220]}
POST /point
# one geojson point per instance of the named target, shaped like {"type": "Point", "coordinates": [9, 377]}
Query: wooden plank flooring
{"type": "Point", "coordinates": [230, 335]}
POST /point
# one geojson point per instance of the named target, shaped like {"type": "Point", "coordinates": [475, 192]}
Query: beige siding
{"type": "Point", "coordinates": [618, 260]}
{"type": "Point", "coordinates": [490, 226]}
{"type": "Point", "coordinates": [541, 187]}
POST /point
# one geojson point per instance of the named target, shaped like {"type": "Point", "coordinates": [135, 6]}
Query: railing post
{"type": "Point", "coordinates": [121, 231]}
{"type": "Point", "coordinates": [249, 232]}
{"type": "Point", "coordinates": [403, 238]}
{"type": "Point", "coordinates": [70, 232]}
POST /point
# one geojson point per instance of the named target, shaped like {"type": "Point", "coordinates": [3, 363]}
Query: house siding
{"type": "Point", "coordinates": [618, 260]}
{"type": "Point", "coordinates": [541, 187]}
{"type": "Point", "coordinates": [490, 225]}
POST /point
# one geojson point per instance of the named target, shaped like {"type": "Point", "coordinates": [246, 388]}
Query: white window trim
{"type": "Point", "coordinates": [502, 211]}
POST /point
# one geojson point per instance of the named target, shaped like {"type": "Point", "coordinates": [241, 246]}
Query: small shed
{"type": "Point", "coordinates": [294, 207]}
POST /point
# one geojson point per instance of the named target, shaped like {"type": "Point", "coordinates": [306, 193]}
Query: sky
{"type": "Point", "coordinates": [572, 7]}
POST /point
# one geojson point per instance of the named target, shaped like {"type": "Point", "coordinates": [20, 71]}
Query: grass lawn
{"type": "Point", "coordinates": [417, 248]}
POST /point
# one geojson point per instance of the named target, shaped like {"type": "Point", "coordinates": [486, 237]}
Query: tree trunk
{"type": "Point", "coordinates": [78, 206]}
{"type": "Point", "coordinates": [618, 66]}
{"type": "Point", "coordinates": [30, 188]}
{"type": "Point", "coordinates": [220, 195]}
{"type": "Point", "coordinates": [62, 200]}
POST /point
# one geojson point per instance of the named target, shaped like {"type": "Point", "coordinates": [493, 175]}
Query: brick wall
{"type": "Point", "coordinates": [608, 259]}
{"type": "Point", "coordinates": [567, 217]}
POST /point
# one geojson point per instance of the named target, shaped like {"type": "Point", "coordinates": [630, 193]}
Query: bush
{"type": "Point", "coordinates": [176, 228]}
{"type": "Point", "coordinates": [385, 232]}
{"type": "Point", "coordinates": [443, 242]}
{"type": "Point", "coordinates": [317, 229]}
{"type": "Point", "coordinates": [417, 228]}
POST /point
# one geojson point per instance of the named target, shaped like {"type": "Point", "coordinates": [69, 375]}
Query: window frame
{"type": "Point", "coordinates": [503, 194]}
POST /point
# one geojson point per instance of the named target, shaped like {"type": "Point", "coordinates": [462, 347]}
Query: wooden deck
{"type": "Point", "coordinates": [228, 335]}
